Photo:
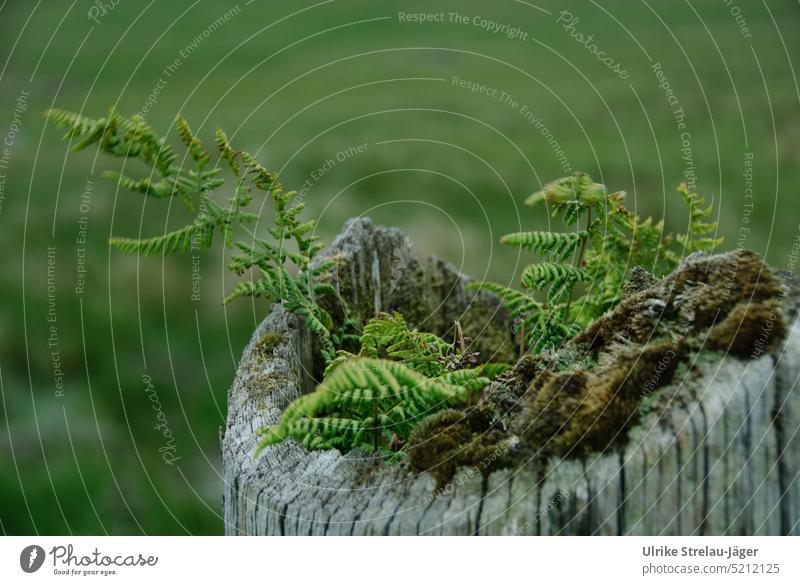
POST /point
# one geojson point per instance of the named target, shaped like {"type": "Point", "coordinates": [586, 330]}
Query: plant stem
{"type": "Point", "coordinates": [580, 258]}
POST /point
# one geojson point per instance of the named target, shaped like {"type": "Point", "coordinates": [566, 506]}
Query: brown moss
{"type": "Point", "coordinates": [551, 402]}
{"type": "Point", "coordinates": [635, 320]}
{"type": "Point", "coordinates": [585, 411]}
{"type": "Point", "coordinates": [703, 291]}
{"type": "Point", "coordinates": [740, 276]}
{"type": "Point", "coordinates": [749, 330]}
{"type": "Point", "coordinates": [488, 451]}
{"type": "Point", "coordinates": [525, 371]}
{"type": "Point", "coordinates": [435, 442]}
{"type": "Point", "coordinates": [639, 280]}
{"type": "Point", "coordinates": [611, 404]}
{"type": "Point", "coordinates": [449, 439]}
{"type": "Point", "coordinates": [586, 398]}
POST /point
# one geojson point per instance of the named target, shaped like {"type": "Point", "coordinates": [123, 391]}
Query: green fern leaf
{"type": "Point", "coordinates": [198, 153]}
{"type": "Point", "coordinates": [543, 274]}
{"type": "Point", "coordinates": [559, 244]}
{"type": "Point", "coordinates": [177, 241]}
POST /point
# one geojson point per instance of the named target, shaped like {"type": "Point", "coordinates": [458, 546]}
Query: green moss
{"type": "Point", "coordinates": [574, 413]}
{"type": "Point", "coordinates": [267, 343]}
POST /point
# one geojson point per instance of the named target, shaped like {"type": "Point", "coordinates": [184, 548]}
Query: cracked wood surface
{"type": "Point", "coordinates": [724, 460]}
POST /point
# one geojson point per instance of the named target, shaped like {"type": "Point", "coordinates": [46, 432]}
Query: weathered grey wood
{"type": "Point", "coordinates": [718, 462]}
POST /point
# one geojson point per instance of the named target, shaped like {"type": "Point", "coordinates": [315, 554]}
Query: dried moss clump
{"type": "Point", "coordinates": [579, 412]}
{"type": "Point", "coordinates": [749, 330]}
{"type": "Point", "coordinates": [587, 396]}
{"type": "Point", "coordinates": [726, 302]}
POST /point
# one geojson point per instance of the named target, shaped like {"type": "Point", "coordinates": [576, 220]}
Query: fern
{"type": "Point", "coordinates": [474, 379]}
{"type": "Point", "coordinates": [364, 403]}
{"type": "Point", "coordinates": [560, 245]}
{"type": "Point", "coordinates": [553, 275]}
{"type": "Point", "coordinates": [612, 240]}
{"type": "Point", "coordinates": [696, 237]}
{"type": "Point", "coordinates": [195, 187]}
{"type": "Point", "coordinates": [374, 399]}
{"type": "Point", "coordinates": [388, 336]}
{"type": "Point", "coordinates": [546, 325]}
{"type": "Point", "coordinates": [517, 303]}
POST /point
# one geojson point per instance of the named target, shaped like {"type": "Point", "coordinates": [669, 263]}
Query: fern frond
{"type": "Point", "coordinates": [493, 369]}
{"type": "Point", "coordinates": [75, 124]}
{"type": "Point", "coordinates": [227, 151]}
{"type": "Point", "coordinates": [698, 226]}
{"type": "Point", "coordinates": [196, 150]}
{"type": "Point", "coordinates": [362, 402]}
{"type": "Point", "coordinates": [388, 336]}
{"type": "Point", "coordinates": [543, 274]}
{"type": "Point", "coordinates": [69, 120]}
{"type": "Point", "coordinates": [550, 333]}
{"type": "Point", "coordinates": [517, 303]}
{"type": "Point", "coordinates": [133, 138]}
{"type": "Point", "coordinates": [470, 379]}
{"type": "Point", "coordinates": [559, 244]}
{"type": "Point", "coordinates": [262, 178]}
{"type": "Point", "coordinates": [578, 187]}
{"type": "Point", "coordinates": [197, 235]}
{"type": "Point", "coordinates": [159, 189]}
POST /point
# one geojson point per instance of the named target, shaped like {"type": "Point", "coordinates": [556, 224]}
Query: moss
{"type": "Point", "coordinates": [586, 397]}
{"type": "Point", "coordinates": [267, 343]}
{"type": "Point", "coordinates": [591, 394]}
{"type": "Point", "coordinates": [702, 292]}
{"type": "Point", "coordinates": [551, 402]}
{"type": "Point", "coordinates": [749, 330]}
{"type": "Point", "coordinates": [451, 438]}
{"type": "Point", "coordinates": [634, 320]}
{"type": "Point", "coordinates": [489, 450]}
{"type": "Point", "coordinates": [611, 405]}
{"type": "Point", "coordinates": [525, 371]}
{"type": "Point", "coordinates": [574, 413]}
{"type": "Point", "coordinates": [639, 280]}
{"type": "Point", "coordinates": [435, 442]}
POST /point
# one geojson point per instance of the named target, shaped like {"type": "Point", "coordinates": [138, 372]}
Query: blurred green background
{"type": "Point", "coordinates": [300, 84]}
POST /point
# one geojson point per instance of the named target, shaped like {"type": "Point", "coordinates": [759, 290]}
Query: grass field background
{"type": "Point", "coordinates": [302, 84]}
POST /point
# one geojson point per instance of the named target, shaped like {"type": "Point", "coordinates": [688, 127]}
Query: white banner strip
{"type": "Point", "coordinates": [400, 560]}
